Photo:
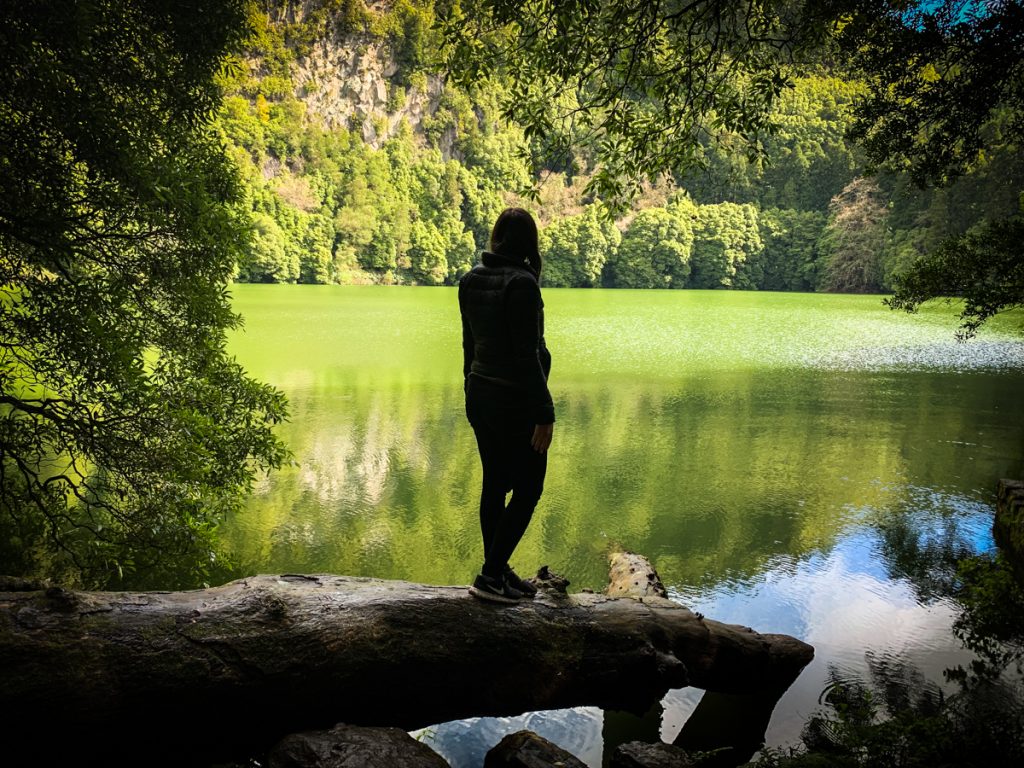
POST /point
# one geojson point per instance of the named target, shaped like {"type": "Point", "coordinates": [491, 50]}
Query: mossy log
{"type": "Point", "coordinates": [237, 666]}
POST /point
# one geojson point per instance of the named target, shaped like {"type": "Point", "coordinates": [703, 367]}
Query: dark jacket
{"type": "Point", "coordinates": [503, 331]}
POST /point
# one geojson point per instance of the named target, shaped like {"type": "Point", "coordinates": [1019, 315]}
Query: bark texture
{"type": "Point", "coordinates": [240, 665]}
{"type": "Point", "coordinates": [636, 754]}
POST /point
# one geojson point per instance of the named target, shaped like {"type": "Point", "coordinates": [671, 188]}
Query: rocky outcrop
{"type": "Point", "coordinates": [526, 749]}
{"type": "Point", "coordinates": [352, 746]}
{"type": "Point", "coordinates": [1008, 526]}
{"type": "Point", "coordinates": [352, 83]}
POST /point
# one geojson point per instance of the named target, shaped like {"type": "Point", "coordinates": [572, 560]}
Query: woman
{"type": "Point", "coordinates": [506, 365]}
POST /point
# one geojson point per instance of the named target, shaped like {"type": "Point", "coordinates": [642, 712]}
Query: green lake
{"type": "Point", "coordinates": [798, 463]}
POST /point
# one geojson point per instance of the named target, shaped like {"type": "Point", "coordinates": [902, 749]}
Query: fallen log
{"type": "Point", "coordinates": [235, 667]}
{"type": "Point", "coordinates": [732, 723]}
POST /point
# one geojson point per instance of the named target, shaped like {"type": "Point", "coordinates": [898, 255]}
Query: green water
{"type": "Point", "coordinates": [788, 461]}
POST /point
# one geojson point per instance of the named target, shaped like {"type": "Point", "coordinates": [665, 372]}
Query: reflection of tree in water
{"type": "Point", "coordinates": [924, 553]}
{"type": "Point", "coordinates": [895, 689]}
{"type": "Point", "coordinates": [897, 717]}
{"type": "Point", "coordinates": [992, 622]}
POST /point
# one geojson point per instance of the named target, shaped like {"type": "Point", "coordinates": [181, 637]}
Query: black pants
{"type": "Point", "coordinates": [503, 423]}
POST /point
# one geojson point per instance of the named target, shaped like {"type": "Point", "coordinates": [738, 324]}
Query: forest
{"type": "Point", "coordinates": [403, 188]}
{"type": "Point", "coordinates": [155, 155]}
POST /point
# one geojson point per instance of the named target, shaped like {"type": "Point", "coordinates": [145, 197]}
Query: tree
{"type": "Point", "coordinates": [576, 249]}
{"type": "Point", "coordinates": [789, 260]}
{"type": "Point", "coordinates": [650, 87]}
{"type": "Point", "coordinates": [725, 236]}
{"type": "Point", "coordinates": [808, 156]}
{"type": "Point", "coordinates": [268, 639]}
{"type": "Point", "coordinates": [984, 266]}
{"type": "Point", "coordinates": [655, 250]}
{"type": "Point", "coordinates": [854, 239]}
{"type": "Point", "coordinates": [270, 259]}
{"type": "Point", "coordinates": [946, 90]}
{"type": "Point", "coordinates": [427, 253]}
{"type": "Point", "coordinates": [643, 83]}
{"type": "Point", "coordinates": [126, 430]}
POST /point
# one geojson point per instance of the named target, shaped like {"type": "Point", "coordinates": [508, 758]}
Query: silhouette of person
{"type": "Point", "coordinates": [506, 365]}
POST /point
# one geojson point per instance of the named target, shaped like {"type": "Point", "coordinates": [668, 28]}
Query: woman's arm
{"type": "Point", "coordinates": [523, 308]}
{"type": "Point", "coordinates": [468, 342]}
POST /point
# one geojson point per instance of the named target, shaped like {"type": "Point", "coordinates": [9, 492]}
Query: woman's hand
{"type": "Point", "coordinates": [542, 437]}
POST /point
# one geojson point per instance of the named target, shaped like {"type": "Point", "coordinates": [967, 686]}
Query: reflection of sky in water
{"type": "Point", "coordinates": [807, 464]}
{"type": "Point", "coordinates": [464, 743]}
{"type": "Point", "coordinates": [846, 603]}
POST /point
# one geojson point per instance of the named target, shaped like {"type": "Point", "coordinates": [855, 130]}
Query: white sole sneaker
{"type": "Point", "coordinates": [494, 597]}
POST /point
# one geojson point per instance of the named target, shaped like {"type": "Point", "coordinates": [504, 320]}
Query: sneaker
{"type": "Point", "coordinates": [495, 590]}
{"type": "Point", "coordinates": [515, 582]}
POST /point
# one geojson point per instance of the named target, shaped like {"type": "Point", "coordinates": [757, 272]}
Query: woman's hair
{"type": "Point", "coordinates": [515, 235]}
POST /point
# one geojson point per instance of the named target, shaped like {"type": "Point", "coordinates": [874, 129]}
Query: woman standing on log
{"type": "Point", "coordinates": [506, 366]}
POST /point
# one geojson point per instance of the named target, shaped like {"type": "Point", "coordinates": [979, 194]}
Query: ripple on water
{"type": "Point", "coordinates": [948, 356]}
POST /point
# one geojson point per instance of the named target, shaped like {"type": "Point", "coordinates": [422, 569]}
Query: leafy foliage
{"type": "Point", "coordinates": [380, 211]}
{"type": "Point", "coordinates": [791, 257]}
{"type": "Point", "coordinates": [655, 250]}
{"type": "Point", "coordinates": [576, 249]}
{"type": "Point", "coordinates": [126, 431]}
{"type": "Point", "coordinates": [642, 83]}
{"type": "Point", "coordinates": [984, 266]}
{"type": "Point", "coordinates": [807, 158]}
{"type": "Point", "coordinates": [937, 74]}
{"type": "Point", "coordinates": [945, 91]}
{"type": "Point", "coordinates": [726, 235]}
{"type": "Point", "coordinates": [899, 718]}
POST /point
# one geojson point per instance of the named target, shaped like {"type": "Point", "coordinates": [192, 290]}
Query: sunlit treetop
{"type": "Point", "coordinates": [945, 79]}
{"type": "Point", "coordinates": [646, 83]}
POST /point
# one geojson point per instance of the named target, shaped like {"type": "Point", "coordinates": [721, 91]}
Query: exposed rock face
{"type": "Point", "coordinates": [636, 754]}
{"type": "Point", "coordinates": [349, 82]}
{"type": "Point", "coordinates": [354, 80]}
{"type": "Point", "coordinates": [526, 749]}
{"type": "Point", "coordinates": [351, 746]}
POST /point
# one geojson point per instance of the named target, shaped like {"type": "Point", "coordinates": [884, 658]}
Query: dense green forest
{"type": "Point", "coordinates": [390, 174]}
{"type": "Point", "coordinates": [153, 151]}
{"type": "Point", "coordinates": [149, 154]}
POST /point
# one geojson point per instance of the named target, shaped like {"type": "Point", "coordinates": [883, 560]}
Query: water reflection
{"type": "Point", "coordinates": [865, 625]}
{"type": "Point", "coordinates": [809, 465]}
{"type": "Point", "coordinates": [465, 743]}
{"type": "Point", "coordinates": [713, 479]}
{"type": "Point", "coordinates": [847, 607]}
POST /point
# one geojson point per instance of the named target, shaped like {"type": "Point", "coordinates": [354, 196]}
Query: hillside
{"type": "Point", "coordinates": [362, 165]}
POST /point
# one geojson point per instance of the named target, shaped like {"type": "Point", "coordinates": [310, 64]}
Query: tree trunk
{"type": "Point", "coordinates": [235, 667]}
